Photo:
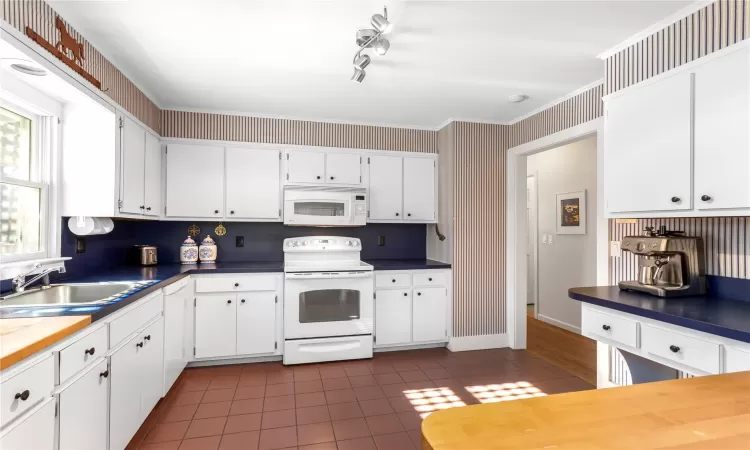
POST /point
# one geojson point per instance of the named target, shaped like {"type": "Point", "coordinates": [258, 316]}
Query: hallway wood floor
{"type": "Point", "coordinates": [571, 351]}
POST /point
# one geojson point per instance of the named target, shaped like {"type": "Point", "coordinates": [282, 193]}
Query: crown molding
{"type": "Point", "coordinates": [660, 25]}
{"type": "Point", "coordinates": [557, 101]}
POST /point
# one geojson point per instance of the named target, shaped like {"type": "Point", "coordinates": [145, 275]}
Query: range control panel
{"type": "Point", "coordinates": [322, 243]}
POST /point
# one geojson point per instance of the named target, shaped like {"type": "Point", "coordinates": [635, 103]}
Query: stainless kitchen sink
{"type": "Point", "coordinates": [70, 294]}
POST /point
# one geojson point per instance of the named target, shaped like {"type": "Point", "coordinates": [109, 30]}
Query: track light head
{"type": "Point", "coordinates": [359, 75]}
{"type": "Point", "coordinates": [381, 46]}
{"type": "Point", "coordinates": [362, 62]}
{"type": "Point", "coordinates": [381, 23]}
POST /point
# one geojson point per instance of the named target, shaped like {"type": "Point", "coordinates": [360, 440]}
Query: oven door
{"type": "Point", "coordinates": [323, 304]}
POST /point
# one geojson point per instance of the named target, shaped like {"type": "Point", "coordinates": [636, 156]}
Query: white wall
{"type": "Point", "coordinates": [570, 260]}
{"type": "Point", "coordinates": [437, 249]}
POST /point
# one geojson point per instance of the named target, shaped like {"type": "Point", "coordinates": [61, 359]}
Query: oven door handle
{"type": "Point", "coordinates": [327, 275]}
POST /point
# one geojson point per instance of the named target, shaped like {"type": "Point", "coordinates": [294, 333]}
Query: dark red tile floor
{"type": "Point", "coordinates": [369, 404]}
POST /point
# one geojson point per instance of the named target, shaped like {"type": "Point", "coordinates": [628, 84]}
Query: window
{"type": "Point", "coordinates": [23, 184]}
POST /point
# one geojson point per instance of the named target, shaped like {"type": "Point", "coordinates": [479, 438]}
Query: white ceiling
{"type": "Point", "coordinates": [292, 58]}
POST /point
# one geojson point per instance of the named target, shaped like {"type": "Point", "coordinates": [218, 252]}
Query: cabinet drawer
{"type": "Point", "coordinates": [86, 350]}
{"type": "Point", "coordinates": [687, 350]}
{"type": "Point", "coordinates": [134, 319]}
{"type": "Point", "coordinates": [236, 284]}
{"type": "Point", "coordinates": [34, 383]}
{"type": "Point", "coordinates": [737, 360]}
{"type": "Point", "coordinates": [429, 279]}
{"type": "Point", "coordinates": [392, 280]}
{"type": "Point", "coordinates": [612, 328]}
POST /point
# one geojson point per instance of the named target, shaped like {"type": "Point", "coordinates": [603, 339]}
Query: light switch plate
{"type": "Point", "coordinates": [550, 239]}
{"type": "Point", "coordinates": [544, 239]}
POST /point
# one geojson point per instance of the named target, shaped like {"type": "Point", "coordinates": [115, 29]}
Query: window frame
{"type": "Point", "coordinates": [45, 140]}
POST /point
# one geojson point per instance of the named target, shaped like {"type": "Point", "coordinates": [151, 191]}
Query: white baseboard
{"type": "Point", "coordinates": [559, 323]}
{"type": "Point", "coordinates": [462, 344]}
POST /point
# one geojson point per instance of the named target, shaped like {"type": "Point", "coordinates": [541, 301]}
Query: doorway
{"type": "Point", "coordinates": [531, 246]}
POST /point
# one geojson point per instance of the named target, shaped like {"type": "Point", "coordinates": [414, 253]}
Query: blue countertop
{"type": "Point", "coordinates": [165, 274]}
{"type": "Point", "coordinates": [708, 313]}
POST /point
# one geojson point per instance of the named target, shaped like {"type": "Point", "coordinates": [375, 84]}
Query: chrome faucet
{"type": "Point", "coordinates": [20, 283]}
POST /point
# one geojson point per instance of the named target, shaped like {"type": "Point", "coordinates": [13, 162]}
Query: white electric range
{"type": "Point", "coordinates": [328, 300]}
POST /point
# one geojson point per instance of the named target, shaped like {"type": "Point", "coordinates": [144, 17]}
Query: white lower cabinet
{"type": "Point", "coordinates": [176, 308]}
{"type": "Point", "coordinates": [83, 406]}
{"type": "Point", "coordinates": [411, 307]}
{"type": "Point", "coordinates": [125, 393]}
{"type": "Point", "coordinates": [430, 312]}
{"type": "Point", "coordinates": [238, 315]}
{"type": "Point", "coordinates": [215, 325]}
{"type": "Point", "coordinates": [393, 316]}
{"type": "Point", "coordinates": [34, 431]}
{"type": "Point", "coordinates": [256, 323]}
{"type": "Point", "coordinates": [152, 366]}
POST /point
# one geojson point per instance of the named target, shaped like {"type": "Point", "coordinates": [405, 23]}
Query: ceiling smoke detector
{"type": "Point", "coordinates": [25, 67]}
{"type": "Point", "coordinates": [518, 98]}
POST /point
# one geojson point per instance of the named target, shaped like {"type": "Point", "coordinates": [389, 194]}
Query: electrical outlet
{"type": "Point", "coordinates": [381, 241]}
{"type": "Point", "coordinates": [544, 239]}
{"type": "Point", "coordinates": [239, 241]}
{"type": "Point", "coordinates": [550, 240]}
{"type": "Point", "coordinates": [614, 249]}
{"type": "Point", "coordinates": [80, 245]}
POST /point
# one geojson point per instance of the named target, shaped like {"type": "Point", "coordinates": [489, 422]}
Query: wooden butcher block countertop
{"type": "Point", "coordinates": [704, 412]}
{"type": "Point", "coordinates": [21, 338]}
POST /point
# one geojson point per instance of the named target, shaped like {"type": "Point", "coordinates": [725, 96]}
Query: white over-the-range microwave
{"type": "Point", "coordinates": [324, 206]}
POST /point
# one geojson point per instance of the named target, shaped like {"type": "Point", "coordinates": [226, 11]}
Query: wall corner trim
{"type": "Point", "coordinates": [466, 343]}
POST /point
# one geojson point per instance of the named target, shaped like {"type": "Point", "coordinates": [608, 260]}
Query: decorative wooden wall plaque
{"type": "Point", "coordinates": [67, 45]}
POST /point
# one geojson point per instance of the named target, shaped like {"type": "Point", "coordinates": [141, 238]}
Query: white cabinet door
{"type": "Point", "coordinates": [430, 314]}
{"type": "Point", "coordinates": [253, 184]}
{"type": "Point", "coordinates": [722, 134]}
{"type": "Point", "coordinates": [647, 147]}
{"type": "Point", "coordinates": [305, 167]}
{"type": "Point", "coordinates": [393, 317]}
{"type": "Point", "coordinates": [35, 431]}
{"type": "Point", "coordinates": [152, 176]}
{"type": "Point", "coordinates": [175, 322]}
{"type": "Point", "coordinates": [386, 187]}
{"type": "Point", "coordinates": [84, 409]}
{"type": "Point", "coordinates": [215, 325]}
{"type": "Point", "coordinates": [419, 189]}
{"type": "Point", "coordinates": [343, 168]}
{"type": "Point", "coordinates": [256, 322]}
{"type": "Point", "coordinates": [133, 149]}
{"type": "Point", "coordinates": [125, 393]}
{"type": "Point", "coordinates": [152, 366]}
{"type": "Point", "coordinates": [195, 181]}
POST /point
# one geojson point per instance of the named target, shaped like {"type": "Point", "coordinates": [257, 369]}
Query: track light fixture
{"type": "Point", "coordinates": [371, 38]}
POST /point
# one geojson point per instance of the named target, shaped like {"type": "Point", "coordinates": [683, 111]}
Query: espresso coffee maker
{"type": "Point", "coordinates": [670, 264]}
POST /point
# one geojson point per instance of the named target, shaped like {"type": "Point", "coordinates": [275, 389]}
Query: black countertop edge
{"type": "Point", "coordinates": [407, 264]}
{"type": "Point", "coordinates": [714, 315]}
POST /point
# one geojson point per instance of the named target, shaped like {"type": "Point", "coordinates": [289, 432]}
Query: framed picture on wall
{"type": "Point", "coordinates": [571, 213]}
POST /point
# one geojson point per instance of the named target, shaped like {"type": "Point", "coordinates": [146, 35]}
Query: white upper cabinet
{"type": "Point", "coordinates": [343, 168]}
{"type": "Point", "coordinates": [419, 189]}
{"type": "Point", "coordinates": [679, 144]}
{"type": "Point", "coordinates": [152, 176]}
{"type": "Point", "coordinates": [133, 151]}
{"type": "Point", "coordinates": [722, 132]}
{"type": "Point", "coordinates": [305, 166]}
{"type": "Point", "coordinates": [386, 187]}
{"type": "Point", "coordinates": [253, 184]}
{"type": "Point", "coordinates": [647, 147]}
{"type": "Point", "coordinates": [195, 181]}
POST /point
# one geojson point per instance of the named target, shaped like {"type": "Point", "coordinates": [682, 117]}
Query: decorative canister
{"type": "Point", "coordinates": [189, 251]}
{"type": "Point", "coordinates": [207, 250]}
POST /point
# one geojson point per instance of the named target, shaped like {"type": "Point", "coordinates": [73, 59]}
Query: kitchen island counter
{"type": "Point", "coordinates": [701, 412]}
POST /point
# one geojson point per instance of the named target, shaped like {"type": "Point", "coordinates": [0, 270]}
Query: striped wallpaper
{"type": "Point", "coordinates": [41, 18]}
{"type": "Point", "coordinates": [712, 28]}
{"type": "Point", "coordinates": [479, 229]}
{"type": "Point", "coordinates": [192, 125]}
{"type": "Point", "coordinates": [726, 239]}
{"type": "Point", "coordinates": [574, 111]}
